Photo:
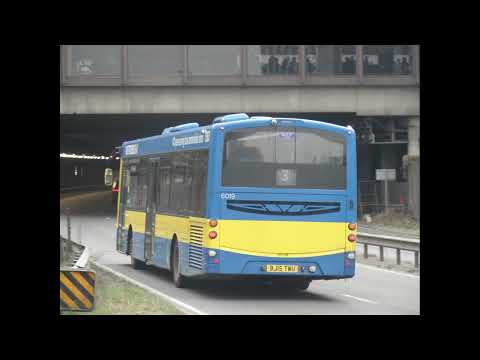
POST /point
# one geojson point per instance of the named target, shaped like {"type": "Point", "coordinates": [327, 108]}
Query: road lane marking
{"type": "Point", "coordinates": [360, 299]}
{"type": "Point", "coordinates": [150, 289]}
{"type": "Point", "coordinates": [388, 271]}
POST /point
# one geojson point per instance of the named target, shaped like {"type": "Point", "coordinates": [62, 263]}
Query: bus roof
{"type": "Point", "coordinates": [192, 133]}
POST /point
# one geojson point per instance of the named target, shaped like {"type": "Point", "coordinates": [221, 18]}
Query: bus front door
{"type": "Point", "coordinates": [150, 209]}
{"type": "Point", "coordinates": [121, 232]}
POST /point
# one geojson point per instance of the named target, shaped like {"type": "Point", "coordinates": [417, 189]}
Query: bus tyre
{"type": "Point", "coordinates": [129, 240]}
{"type": "Point", "coordinates": [137, 264]}
{"type": "Point", "coordinates": [178, 279]}
{"type": "Point", "coordinates": [302, 284]}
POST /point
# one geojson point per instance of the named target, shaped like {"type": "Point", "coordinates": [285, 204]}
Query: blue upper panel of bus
{"type": "Point", "coordinates": [193, 137]}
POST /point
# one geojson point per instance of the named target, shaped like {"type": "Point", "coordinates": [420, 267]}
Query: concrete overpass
{"type": "Point", "coordinates": [361, 100]}
{"type": "Point", "coordinates": [115, 104]}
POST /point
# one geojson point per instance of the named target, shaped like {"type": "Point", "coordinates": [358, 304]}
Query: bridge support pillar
{"type": "Point", "coordinates": [414, 166]}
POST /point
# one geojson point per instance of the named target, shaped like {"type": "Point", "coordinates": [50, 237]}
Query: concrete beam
{"type": "Point", "coordinates": [362, 100]}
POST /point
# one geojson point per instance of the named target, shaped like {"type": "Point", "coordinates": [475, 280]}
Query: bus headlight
{"type": "Point", "coordinates": [312, 268]}
{"type": "Point", "coordinates": [351, 256]}
{"type": "Point", "coordinates": [212, 253]}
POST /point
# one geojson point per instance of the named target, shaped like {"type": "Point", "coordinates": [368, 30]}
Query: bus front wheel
{"type": "Point", "coordinates": [137, 264]}
{"type": "Point", "coordinates": [178, 279]}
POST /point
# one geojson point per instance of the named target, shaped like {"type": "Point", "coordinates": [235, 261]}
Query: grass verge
{"type": "Point", "coordinates": [115, 296]}
{"type": "Point", "coordinates": [394, 219]}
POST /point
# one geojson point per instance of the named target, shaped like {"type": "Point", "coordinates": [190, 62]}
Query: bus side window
{"type": "Point", "coordinates": [136, 186]}
{"type": "Point", "coordinates": [176, 190]}
{"type": "Point", "coordinates": [141, 200]}
{"type": "Point", "coordinates": [199, 182]}
{"type": "Point", "coordinates": [130, 185]}
{"type": "Point", "coordinates": [182, 180]}
{"type": "Point", "coordinates": [163, 193]}
{"type": "Point", "coordinates": [187, 183]}
{"type": "Point", "coordinates": [195, 185]}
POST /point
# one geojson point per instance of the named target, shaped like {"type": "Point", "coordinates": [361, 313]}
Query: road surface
{"type": "Point", "coordinates": [371, 291]}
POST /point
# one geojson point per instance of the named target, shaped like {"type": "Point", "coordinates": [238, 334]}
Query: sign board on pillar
{"type": "Point", "coordinates": [386, 174]}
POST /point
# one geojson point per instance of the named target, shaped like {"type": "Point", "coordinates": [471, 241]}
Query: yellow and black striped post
{"type": "Point", "coordinates": [77, 289]}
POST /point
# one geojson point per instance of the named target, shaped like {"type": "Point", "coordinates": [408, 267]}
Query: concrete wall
{"type": "Point", "coordinates": [362, 100]}
{"type": "Point", "coordinates": [396, 190]}
{"type": "Point", "coordinates": [365, 161]}
{"type": "Point", "coordinates": [90, 172]}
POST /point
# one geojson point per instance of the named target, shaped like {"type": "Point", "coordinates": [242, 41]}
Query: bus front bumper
{"type": "Point", "coordinates": [334, 266]}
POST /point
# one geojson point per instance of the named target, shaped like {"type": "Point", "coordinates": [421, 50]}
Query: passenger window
{"type": "Point", "coordinates": [181, 183]}
{"type": "Point", "coordinates": [163, 176]}
{"type": "Point", "coordinates": [136, 186]}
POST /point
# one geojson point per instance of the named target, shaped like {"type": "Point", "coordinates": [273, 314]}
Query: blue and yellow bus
{"type": "Point", "coordinates": [245, 197]}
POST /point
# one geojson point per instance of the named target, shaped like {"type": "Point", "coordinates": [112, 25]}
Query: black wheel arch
{"type": "Point", "coordinates": [129, 239]}
{"type": "Point", "coordinates": [174, 241]}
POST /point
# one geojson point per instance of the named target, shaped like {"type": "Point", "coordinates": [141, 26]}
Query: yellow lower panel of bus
{"type": "Point", "coordinates": [136, 219]}
{"type": "Point", "coordinates": [282, 238]}
{"type": "Point", "coordinates": [166, 226]}
{"type": "Point", "coordinates": [262, 238]}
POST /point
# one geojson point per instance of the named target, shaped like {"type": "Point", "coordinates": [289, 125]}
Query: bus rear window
{"type": "Point", "coordinates": [284, 158]}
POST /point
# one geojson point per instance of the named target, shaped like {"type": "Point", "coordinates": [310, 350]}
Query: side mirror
{"type": "Point", "coordinates": [108, 177]}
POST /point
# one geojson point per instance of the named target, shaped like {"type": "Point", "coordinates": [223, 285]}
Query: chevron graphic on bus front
{"type": "Point", "coordinates": [284, 208]}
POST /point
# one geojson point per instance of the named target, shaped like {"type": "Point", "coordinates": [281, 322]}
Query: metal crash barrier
{"type": "Point", "coordinates": [383, 241]}
{"type": "Point", "coordinates": [77, 283]}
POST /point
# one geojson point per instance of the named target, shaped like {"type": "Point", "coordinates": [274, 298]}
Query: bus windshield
{"type": "Point", "coordinates": [284, 158]}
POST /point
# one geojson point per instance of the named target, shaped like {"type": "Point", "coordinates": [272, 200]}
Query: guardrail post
{"type": "Point", "coordinates": [67, 213]}
{"type": "Point", "coordinates": [69, 229]}
{"type": "Point", "coordinates": [79, 238]}
{"type": "Point", "coordinates": [384, 241]}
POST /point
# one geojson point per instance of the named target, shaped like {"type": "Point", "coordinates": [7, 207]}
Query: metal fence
{"type": "Point", "coordinates": [393, 242]}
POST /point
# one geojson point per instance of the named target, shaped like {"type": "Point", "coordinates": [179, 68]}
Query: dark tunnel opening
{"type": "Point", "coordinates": [100, 134]}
